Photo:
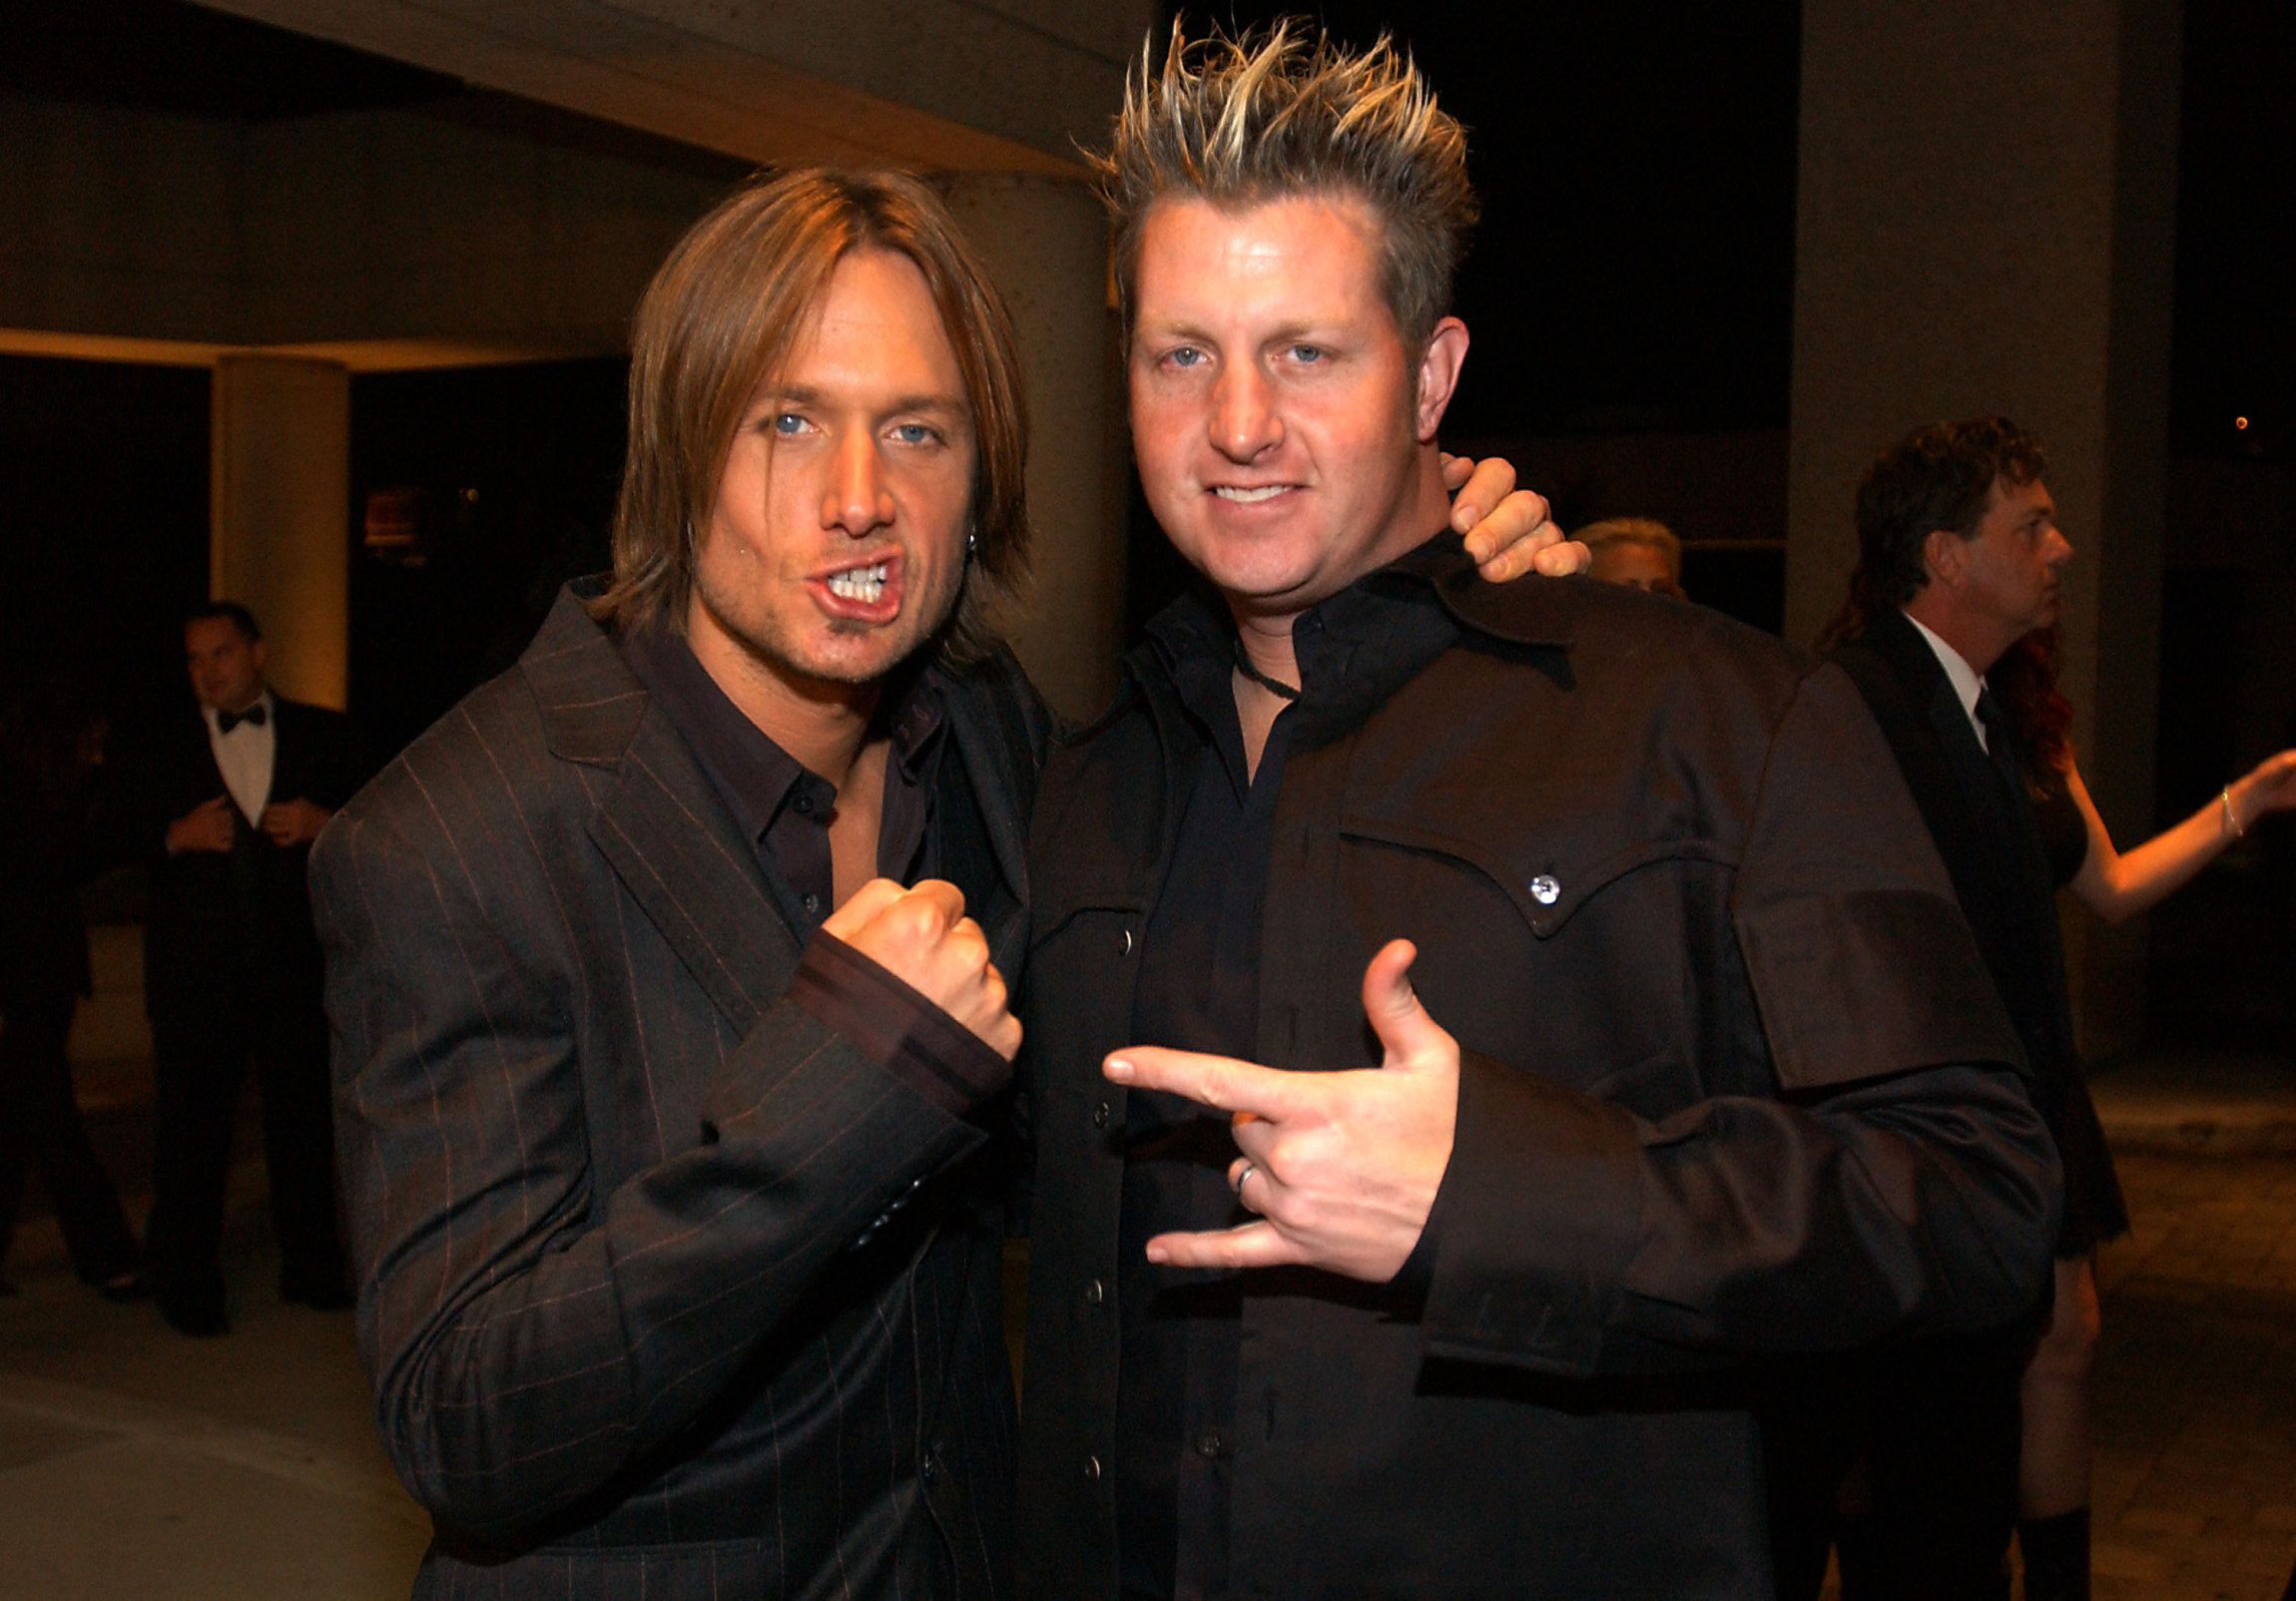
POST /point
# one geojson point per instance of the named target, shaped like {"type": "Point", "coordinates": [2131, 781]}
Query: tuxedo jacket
{"type": "Point", "coordinates": [218, 917]}
{"type": "Point", "coordinates": [635, 1315]}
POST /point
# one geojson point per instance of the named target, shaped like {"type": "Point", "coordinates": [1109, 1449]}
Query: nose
{"type": "Point", "coordinates": [856, 500]}
{"type": "Point", "coordinates": [1245, 422]}
{"type": "Point", "coordinates": [2058, 547]}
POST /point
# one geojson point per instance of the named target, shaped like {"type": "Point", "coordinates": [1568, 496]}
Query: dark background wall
{"type": "Point", "coordinates": [501, 482]}
{"type": "Point", "coordinates": [1631, 297]}
{"type": "Point", "coordinates": [103, 524]}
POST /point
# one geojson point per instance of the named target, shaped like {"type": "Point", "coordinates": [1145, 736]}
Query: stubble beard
{"type": "Point", "coordinates": [771, 649]}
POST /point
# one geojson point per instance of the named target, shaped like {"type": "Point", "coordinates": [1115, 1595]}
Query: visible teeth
{"type": "Point", "coordinates": [1264, 492]}
{"type": "Point", "coordinates": [864, 584]}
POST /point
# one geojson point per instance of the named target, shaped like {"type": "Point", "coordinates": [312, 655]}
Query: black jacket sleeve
{"type": "Point", "coordinates": [1897, 1182]}
{"type": "Point", "coordinates": [531, 1331]}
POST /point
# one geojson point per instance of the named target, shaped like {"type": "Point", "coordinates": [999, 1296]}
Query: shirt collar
{"type": "Point", "coordinates": [1967, 686]}
{"type": "Point", "coordinates": [752, 775]}
{"type": "Point", "coordinates": [1353, 650]}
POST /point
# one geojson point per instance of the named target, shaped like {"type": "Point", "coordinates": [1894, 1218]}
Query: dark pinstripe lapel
{"type": "Point", "coordinates": [678, 854]}
{"type": "Point", "coordinates": [661, 825]}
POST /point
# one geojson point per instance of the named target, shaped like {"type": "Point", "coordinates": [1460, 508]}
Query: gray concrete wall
{"type": "Point", "coordinates": [981, 85]}
{"type": "Point", "coordinates": [1046, 243]}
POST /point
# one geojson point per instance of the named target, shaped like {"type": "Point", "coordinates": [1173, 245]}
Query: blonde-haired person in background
{"type": "Point", "coordinates": [1641, 552]}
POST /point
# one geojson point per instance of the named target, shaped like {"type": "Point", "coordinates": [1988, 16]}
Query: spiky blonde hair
{"type": "Point", "coordinates": [1283, 111]}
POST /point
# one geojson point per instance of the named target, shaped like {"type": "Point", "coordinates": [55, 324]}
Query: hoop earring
{"type": "Point", "coordinates": [971, 544]}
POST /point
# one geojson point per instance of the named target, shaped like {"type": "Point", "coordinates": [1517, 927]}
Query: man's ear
{"type": "Point", "coordinates": [1946, 557]}
{"type": "Point", "coordinates": [256, 654]}
{"type": "Point", "coordinates": [1439, 375]}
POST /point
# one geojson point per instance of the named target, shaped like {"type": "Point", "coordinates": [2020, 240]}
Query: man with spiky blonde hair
{"type": "Point", "coordinates": [1326, 1298]}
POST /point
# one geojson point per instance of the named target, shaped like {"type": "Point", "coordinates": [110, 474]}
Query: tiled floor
{"type": "Point", "coordinates": [2196, 1394]}
{"type": "Point", "coordinates": [137, 1463]}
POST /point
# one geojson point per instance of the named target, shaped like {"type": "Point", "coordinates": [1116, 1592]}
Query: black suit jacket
{"type": "Point", "coordinates": [1735, 1086]}
{"type": "Point", "coordinates": [1993, 846]}
{"type": "Point", "coordinates": [216, 917]}
{"type": "Point", "coordinates": [1986, 833]}
{"type": "Point", "coordinates": [606, 1178]}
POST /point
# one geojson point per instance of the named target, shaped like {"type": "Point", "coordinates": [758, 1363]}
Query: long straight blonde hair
{"type": "Point", "coordinates": [726, 311]}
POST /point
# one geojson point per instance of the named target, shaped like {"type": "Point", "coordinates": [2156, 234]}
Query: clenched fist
{"type": "Point", "coordinates": [923, 938]}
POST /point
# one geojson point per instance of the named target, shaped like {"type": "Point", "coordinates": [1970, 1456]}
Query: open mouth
{"type": "Point", "coordinates": [864, 585]}
{"type": "Point", "coordinates": [1244, 496]}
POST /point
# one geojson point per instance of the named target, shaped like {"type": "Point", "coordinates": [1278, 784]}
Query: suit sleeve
{"type": "Point", "coordinates": [1899, 1183]}
{"type": "Point", "coordinates": [530, 1333]}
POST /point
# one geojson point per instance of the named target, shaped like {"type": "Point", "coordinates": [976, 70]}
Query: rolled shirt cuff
{"type": "Point", "coordinates": [896, 1026]}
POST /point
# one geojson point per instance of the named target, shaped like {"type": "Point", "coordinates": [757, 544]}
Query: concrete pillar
{"type": "Point", "coordinates": [1045, 241]}
{"type": "Point", "coordinates": [280, 528]}
{"type": "Point", "coordinates": [1985, 225]}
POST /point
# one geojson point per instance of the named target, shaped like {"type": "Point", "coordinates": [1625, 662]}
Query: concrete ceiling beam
{"type": "Point", "coordinates": [939, 83]}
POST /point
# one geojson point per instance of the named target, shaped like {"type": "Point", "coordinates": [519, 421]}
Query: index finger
{"type": "Point", "coordinates": [1219, 1082]}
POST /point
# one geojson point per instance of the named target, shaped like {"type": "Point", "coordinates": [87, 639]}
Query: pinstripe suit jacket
{"type": "Point", "coordinates": [606, 1180]}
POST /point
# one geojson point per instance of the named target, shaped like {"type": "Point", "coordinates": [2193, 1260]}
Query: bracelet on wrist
{"type": "Point", "coordinates": [2231, 817]}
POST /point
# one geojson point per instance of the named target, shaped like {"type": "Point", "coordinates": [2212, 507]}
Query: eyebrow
{"type": "Point", "coordinates": [951, 404]}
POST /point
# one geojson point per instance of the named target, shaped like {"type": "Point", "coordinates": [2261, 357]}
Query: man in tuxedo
{"type": "Point", "coordinates": [231, 970]}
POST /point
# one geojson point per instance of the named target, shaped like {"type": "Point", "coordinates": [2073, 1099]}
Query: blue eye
{"type": "Point", "coordinates": [1186, 356]}
{"type": "Point", "coordinates": [1308, 352]}
{"type": "Point", "coordinates": [788, 423]}
{"type": "Point", "coordinates": [914, 434]}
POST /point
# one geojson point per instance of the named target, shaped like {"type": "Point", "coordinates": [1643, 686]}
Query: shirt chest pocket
{"type": "Point", "coordinates": [1546, 872]}
{"type": "Point", "coordinates": [1567, 951]}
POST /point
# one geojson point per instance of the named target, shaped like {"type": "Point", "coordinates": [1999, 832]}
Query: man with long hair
{"type": "Point", "coordinates": [1469, 1025]}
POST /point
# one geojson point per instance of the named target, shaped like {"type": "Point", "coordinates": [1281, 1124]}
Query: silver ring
{"type": "Point", "coordinates": [1249, 1168]}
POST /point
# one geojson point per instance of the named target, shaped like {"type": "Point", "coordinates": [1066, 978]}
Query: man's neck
{"type": "Point", "coordinates": [255, 699]}
{"type": "Point", "coordinates": [1265, 631]}
{"type": "Point", "coordinates": [1976, 643]}
{"type": "Point", "coordinates": [822, 725]}
{"type": "Point", "coordinates": [1422, 510]}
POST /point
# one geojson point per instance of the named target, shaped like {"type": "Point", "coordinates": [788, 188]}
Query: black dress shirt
{"type": "Point", "coordinates": [784, 809]}
{"type": "Point", "coordinates": [1199, 991]}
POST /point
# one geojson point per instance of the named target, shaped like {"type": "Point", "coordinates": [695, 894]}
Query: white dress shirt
{"type": "Point", "coordinates": [244, 758]}
{"type": "Point", "coordinates": [1963, 677]}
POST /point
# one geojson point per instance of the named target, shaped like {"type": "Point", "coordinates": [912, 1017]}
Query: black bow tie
{"type": "Point", "coordinates": [228, 721]}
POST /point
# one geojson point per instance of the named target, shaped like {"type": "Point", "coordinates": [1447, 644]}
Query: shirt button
{"type": "Point", "coordinates": [1124, 944]}
{"type": "Point", "coordinates": [1094, 1293]}
{"type": "Point", "coordinates": [1092, 1467]}
{"type": "Point", "coordinates": [1209, 1444]}
{"type": "Point", "coordinates": [803, 805]}
{"type": "Point", "coordinates": [812, 903]}
{"type": "Point", "coordinates": [1100, 1116]}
